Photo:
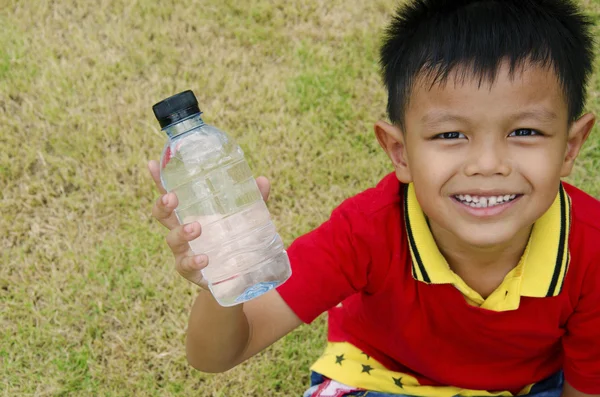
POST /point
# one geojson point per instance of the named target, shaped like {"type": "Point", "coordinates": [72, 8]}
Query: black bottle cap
{"type": "Point", "coordinates": [176, 108]}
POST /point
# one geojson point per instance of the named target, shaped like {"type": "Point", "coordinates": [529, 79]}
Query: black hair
{"type": "Point", "coordinates": [432, 38]}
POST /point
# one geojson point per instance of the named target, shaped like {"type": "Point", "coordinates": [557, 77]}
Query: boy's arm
{"type": "Point", "coordinates": [219, 338]}
{"type": "Point", "coordinates": [569, 391]}
{"type": "Point", "coordinates": [581, 349]}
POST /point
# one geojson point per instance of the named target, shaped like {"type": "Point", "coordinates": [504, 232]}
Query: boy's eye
{"type": "Point", "coordinates": [449, 135]}
{"type": "Point", "coordinates": [524, 132]}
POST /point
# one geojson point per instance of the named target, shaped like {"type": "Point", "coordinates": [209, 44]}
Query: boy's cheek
{"type": "Point", "coordinates": [545, 165]}
{"type": "Point", "coordinates": [434, 166]}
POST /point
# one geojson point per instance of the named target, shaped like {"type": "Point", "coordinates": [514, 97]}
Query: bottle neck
{"type": "Point", "coordinates": [184, 125]}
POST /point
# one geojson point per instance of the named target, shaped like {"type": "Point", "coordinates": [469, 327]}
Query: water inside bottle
{"type": "Point", "coordinates": [215, 187]}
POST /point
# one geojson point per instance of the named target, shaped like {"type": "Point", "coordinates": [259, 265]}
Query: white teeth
{"type": "Point", "coordinates": [484, 202]}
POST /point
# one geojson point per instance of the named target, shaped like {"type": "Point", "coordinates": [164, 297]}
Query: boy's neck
{"type": "Point", "coordinates": [482, 268]}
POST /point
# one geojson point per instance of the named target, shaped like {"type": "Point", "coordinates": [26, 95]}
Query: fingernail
{"type": "Point", "coordinates": [189, 228]}
{"type": "Point", "coordinates": [199, 260]}
{"type": "Point", "coordinates": [165, 199]}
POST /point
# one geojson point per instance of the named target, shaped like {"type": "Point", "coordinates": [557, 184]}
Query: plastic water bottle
{"type": "Point", "coordinates": [214, 185]}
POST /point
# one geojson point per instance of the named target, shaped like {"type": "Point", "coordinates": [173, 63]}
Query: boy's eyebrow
{"type": "Point", "coordinates": [437, 117]}
{"type": "Point", "coordinates": [541, 114]}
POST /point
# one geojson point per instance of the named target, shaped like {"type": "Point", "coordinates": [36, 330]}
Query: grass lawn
{"type": "Point", "coordinates": [89, 301]}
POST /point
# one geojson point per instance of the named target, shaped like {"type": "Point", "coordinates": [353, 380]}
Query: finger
{"type": "Point", "coordinates": [163, 210]}
{"type": "Point", "coordinates": [264, 186]}
{"type": "Point", "coordinates": [190, 267]}
{"type": "Point", "coordinates": [178, 238]}
{"type": "Point", "coordinates": [154, 168]}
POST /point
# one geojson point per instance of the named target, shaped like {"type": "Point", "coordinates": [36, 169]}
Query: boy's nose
{"type": "Point", "coordinates": [490, 158]}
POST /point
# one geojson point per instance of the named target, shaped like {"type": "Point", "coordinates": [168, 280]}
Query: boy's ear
{"type": "Point", "coordinates": [578, 133]}
{"type": "Point", "coordinates": [391, 140]}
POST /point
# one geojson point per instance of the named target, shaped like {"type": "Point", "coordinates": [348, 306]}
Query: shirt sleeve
{"type": "Point", "coordinates": [328, 264]}
{"type": "Point", "coordinates": [581, 343]}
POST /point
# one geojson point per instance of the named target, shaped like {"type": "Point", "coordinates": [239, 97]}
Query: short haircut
{"type": "Point", "coordinates": [432, 38]}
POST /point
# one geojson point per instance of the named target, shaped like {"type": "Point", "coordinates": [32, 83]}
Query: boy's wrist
{"type": "Point", "coordinates": [211, 311]}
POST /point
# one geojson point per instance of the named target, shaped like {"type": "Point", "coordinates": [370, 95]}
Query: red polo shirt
{"type": "Point", "coordinates": [400, 321]}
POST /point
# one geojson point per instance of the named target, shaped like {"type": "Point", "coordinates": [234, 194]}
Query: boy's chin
{"type": "Point", "coordinates": [488, 237]}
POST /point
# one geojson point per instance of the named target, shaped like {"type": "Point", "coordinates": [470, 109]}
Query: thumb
{"type": "Point", "coordinates": [264, 186]}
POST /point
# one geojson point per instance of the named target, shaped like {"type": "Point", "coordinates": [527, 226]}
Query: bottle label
{"type": "Point", "coordinates": [256, 290]}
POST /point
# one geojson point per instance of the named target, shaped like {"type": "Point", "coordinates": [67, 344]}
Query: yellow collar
{"type": "Point", "coordinates": [542, 267]}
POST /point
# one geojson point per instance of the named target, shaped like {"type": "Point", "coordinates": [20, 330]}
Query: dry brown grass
{"type": "Point", "coordinates": [89, 302]}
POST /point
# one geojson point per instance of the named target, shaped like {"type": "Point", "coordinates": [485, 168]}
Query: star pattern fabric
{"type": "Point", "coordinates": [367, 369]}
{"type": "Point", "coordinates": [353, 367]}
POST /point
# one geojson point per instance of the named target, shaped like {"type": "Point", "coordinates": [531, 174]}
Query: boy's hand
{"type": "Point", "coordinates": [186, 263]}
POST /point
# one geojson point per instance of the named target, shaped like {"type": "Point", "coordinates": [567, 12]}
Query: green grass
{"type": "Point", "coordinates": [89, 301]}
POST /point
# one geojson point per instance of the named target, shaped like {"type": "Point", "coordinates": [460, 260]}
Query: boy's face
{"type": "Point", "coordinates": [486, 160]}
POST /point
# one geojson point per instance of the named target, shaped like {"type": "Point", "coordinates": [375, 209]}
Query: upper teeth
{"type": "Point", "coordinates": [483, 201]}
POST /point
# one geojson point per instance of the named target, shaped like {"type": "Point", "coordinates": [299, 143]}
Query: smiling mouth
{"type": "Point", "coordinates": [485, 201]}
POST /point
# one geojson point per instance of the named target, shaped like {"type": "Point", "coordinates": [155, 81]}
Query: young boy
{"type": "Point", "coordinates": [471, 270]}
